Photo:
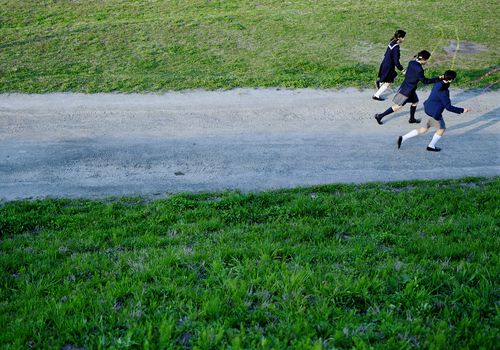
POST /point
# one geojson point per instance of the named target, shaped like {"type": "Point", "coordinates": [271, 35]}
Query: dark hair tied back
{"type": "Point", "coordinates": [450, 75]}
{"type": "Point", "coordinates": [424, 54]}
{"type": "Point", "coordinates": [399, 34]}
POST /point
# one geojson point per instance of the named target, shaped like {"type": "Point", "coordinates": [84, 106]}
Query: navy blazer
{"type": "Point", "coordinates": [387, 71]}
{"type": "Point", "coordinates": [438, 101]}
{"type": "Point", "coordinates": [414, 74]}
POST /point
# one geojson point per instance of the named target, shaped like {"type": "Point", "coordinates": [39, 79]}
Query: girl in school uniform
{"type": "Point", "coordinates": [387, 72]}
{"type": "Point", "coordinates": [438, 101]}
{"type": "Point", "coordinates": [408, 90]}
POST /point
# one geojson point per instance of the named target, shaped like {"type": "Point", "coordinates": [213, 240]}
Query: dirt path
{"type": "Point", "coordinates": [76, 145]}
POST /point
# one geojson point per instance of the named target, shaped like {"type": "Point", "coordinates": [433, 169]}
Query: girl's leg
{"type": "Point", "coordinates": [435, 139]}
{"type": "Point", "coordinates": [388, 111]}
{"type": "Point", "coordinates": [414, 132]}
{"type": "Point", "coordinates": [440, 132]}
{"type": "Point", "coordinates": [381, 90]}
{"type": "Point", "coordinates": [411, 134]}
{"type": "Point", "coordinates": [413, 109]}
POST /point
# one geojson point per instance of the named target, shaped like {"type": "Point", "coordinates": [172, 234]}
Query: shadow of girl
{"type": "Point", "coordinates": [491, 118]}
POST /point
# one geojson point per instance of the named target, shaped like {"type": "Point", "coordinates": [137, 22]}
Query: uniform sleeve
{"type": "Point", "coordinates": [445, 100]}
{"type": "Point", "coordinates": [423, 79]}
{"type": "Point", "coordinates": [396, 55]}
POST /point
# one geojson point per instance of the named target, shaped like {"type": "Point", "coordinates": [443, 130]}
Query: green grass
{"type": "Point", "coordinates": [135, 46]}
{"type": "Point", "coordinates": [383, 266]}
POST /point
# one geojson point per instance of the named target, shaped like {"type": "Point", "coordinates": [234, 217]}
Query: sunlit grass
{"type": "Point", "coordinates": [402, 265]}
{"type": "Point", "coordinates": [127, 46]}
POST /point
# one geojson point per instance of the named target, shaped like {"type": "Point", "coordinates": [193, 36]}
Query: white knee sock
{"type": "Point", "coordinates": [411, 134]}
{"type": "Point", "coordinates": [381, 90]}
{"type": "Point", "coordinates": [434, 140]}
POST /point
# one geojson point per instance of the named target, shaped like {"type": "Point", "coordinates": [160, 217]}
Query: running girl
{"type": "Point", "coordinates": [387, 72]}
{"type": "Point", "coordinates": [407, 91]}
{"type": "Point", "coordinates": [438, 101]}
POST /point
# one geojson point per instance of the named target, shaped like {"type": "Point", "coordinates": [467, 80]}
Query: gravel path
{"type": "Point", "coordinates": [77, 145]}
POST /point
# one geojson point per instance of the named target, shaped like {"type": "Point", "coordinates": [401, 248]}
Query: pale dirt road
{"type": "Point", "coordinates": [76, 145]}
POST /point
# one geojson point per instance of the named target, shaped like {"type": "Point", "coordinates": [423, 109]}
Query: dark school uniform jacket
{"type": "Point", "coordinates": [438, 101]}
{"type": "Point", "coordinates": [387, 72]}
{"type": "Point", "coordinates": [414, 74]}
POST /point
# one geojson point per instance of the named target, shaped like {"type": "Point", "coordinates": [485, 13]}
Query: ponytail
{"type": "Point", "coordinates": [450, 75]}
{"type": "Point", "coordinates": [399, 34]}
{"type": "Point", "coordinates": [424, 54]}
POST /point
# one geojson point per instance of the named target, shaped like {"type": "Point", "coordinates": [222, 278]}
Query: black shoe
{"type": "Point", "coordinates": [377, 83]}
{"type": "Point", "coordinates": [414, 121]}
{"type": "Point", "coordinates": [436, 149]}
{"type": "Point", "coordinates": [378, 119]}
{"type": "Point", "coordinates": [378, 98]}
{"type": "Point", "coordinates": [400, 141]}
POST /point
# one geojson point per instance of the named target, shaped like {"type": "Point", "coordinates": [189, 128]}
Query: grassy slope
{"type": "Point", "coordinates": [94, 46]}
{"type": "Point", "coordinates": [400, 265]}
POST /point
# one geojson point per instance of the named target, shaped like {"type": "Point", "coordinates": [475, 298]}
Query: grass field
{"type": "Point", "coordinates": [131, 46]}
{"type": "Point", "coordinates": [384, 266]}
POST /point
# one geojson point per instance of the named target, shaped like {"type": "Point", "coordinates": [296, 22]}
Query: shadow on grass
{"type": "Point", "coordinates": [46, 37]}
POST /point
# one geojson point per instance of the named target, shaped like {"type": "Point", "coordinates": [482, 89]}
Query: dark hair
{"type": "Point", "coordinates": [424, 54]}
{"type": "Point", "coordinates": [450, 75]}
{"type": "Point", "coordinates": [399, 34]}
